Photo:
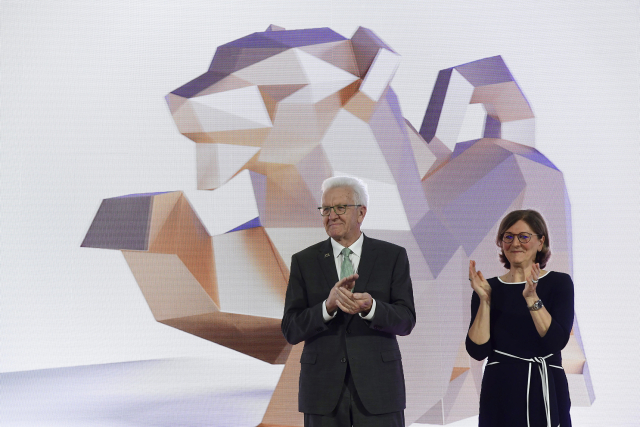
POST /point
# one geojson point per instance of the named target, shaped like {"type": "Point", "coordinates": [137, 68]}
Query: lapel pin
{"type": "Point", "coordinates": [327, 255]}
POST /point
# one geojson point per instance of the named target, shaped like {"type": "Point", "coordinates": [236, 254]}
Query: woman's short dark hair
{"type": "Point", "coordinates": [538, 226]}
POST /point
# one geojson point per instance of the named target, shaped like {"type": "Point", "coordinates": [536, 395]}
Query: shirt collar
{"type": "Point", "coordinates": [356, 247]}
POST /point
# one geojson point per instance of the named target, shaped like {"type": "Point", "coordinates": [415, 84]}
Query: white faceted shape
{"type": "Point", "coordinates": [230, 82]}
{"type": "Point", "coordinates": [231, 110]}
{"type": "Point", "coordinates": [427, 156]}
{"type": "Point", "coordinates": [184, 116]}
{"type": "Point", "coordinates": [351, 146]}
{"type": "Point", "coordinates": [289, 241]}
{"type": "Point", "coordinates": [520, 131]}
{"type": "Point", "coordinates": [380, 73]}
{"type": "Point", "coordinates": [217, 163]}
{"type": "Point", "coordinates": [454, 108]}
{"type": "Point", "coordinates": [424, 157]}
{"type": "Point", "coordinates": [319, 71]}
{"type": "Point", "coordinates": [161, 210]}
{"type": "Point", "coordinates": [228, 207]}
{"type": "Point", "coordinates": [291, 67]}
{"type": "Point", "coordinates": [385, 210]}
{"type": "Point", "coordinates": [503, 101]}
{"type": "Point", "coordinates": [168, 286]}
{"type": "Point", "coordinates": [247, 284]}
{"type": "Point", "coordinates": [579, 388]}
{"type": "Point", "coordinates": [289, 70]}
{"type": "Point", "coordinates": [338, 53]}
{"type": "Point", "coordinates": [288, 142]}
{"type": "Point", "coordinates": [473, 123]}
{"type": "Point", "coordinates": [316, 92]}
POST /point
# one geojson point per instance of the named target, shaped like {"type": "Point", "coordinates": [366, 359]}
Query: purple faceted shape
{"type": "Point", "coordinates": [461, 147]}
{"type": "Point", "coordinates": [365, 47]}
{"type": "Point", "coordinates": [434, 109]}
{"type": "Point", "coordinates": [255, 40]}
{"type": "Point", "coordinates": [537, 157]}
{"type": "Point", "coordinates": [291, 38]}
{"type": "Point", "coordinates": [364, 36]}
{"type": "Point", "coordinates": [138, 195]}
{"type": "Point", "coordinates": [121, 223]}
{"type": "Point", "coordinates": [436, 243]}
{"type": "Point", "coordinates": [487, 71]}
{"type": "Point", "coordinates": [230, 58]}
{"type": "Point", "coordinates": [473, 213]}
{"type": "Point", "coordinates": [492, 128]}
{"type": "Point", "coordinates": [297, 38]}
{"type": "Point", "coordinates": [199, 84]}
{"type": "Point", "coordinates": [255, 222]}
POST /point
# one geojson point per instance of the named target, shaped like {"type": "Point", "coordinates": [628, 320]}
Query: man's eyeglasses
{"type": "Point", "coordinates": [338, 209]}
{"type": "Point", "coordinates": [522, 237]}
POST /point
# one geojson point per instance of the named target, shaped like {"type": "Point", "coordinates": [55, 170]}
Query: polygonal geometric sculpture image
{"type": "Point", "coordinates": [276, 114]}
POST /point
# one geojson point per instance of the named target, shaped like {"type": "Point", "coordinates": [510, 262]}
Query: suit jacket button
{"type": "Point", "coordinates": [343, 360]}
{"type": "Point", "coordinates": [348, 331]}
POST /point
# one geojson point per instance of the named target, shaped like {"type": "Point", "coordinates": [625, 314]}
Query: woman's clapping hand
{"type": "Point", "coordinates": [479, 284]}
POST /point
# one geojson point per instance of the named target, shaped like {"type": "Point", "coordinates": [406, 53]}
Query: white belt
{"type": "Point", "coordinates": [542, 368]}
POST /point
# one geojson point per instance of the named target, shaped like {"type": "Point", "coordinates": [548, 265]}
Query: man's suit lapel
{"type": "Point", "coordinates": [367, 261]}
{"type": "Point", "coordinates": [328, 263]}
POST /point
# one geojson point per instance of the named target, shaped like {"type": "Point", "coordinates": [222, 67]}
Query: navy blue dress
{"type": "Point", "coordinates": [520, 362]}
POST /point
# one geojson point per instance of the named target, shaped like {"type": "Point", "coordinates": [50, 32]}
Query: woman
{"type": "Point", "coordinates": [521, 321]}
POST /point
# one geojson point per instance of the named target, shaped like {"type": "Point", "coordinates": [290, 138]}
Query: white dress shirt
{"type": "Point", "coordinates": [354, 257]}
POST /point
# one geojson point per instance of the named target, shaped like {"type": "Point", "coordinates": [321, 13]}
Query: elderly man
{"type": "Point", "coordinates": [347, 299]}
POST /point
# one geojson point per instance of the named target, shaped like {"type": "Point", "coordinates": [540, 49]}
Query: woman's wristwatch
{"type": "Point", "coordinates": [536, 305]}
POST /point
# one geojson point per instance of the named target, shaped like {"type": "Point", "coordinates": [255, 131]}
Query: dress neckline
{"type": "Point", "coordinates": [524, 281]}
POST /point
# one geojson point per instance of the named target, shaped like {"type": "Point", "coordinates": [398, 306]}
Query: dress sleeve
{"type": "Point", "coordinates": [477, 351]}
{"type": "Point", "coordinates": [560, 306]}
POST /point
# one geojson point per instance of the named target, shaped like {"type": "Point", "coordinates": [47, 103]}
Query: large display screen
{"type": "Point", "coordinates": [162, 162]}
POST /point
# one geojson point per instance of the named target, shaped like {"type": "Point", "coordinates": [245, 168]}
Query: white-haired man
{"type": "Point", "coordinates": [348, 298]}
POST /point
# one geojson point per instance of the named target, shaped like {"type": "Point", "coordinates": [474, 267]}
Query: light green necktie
{"type": "Point", "coordinates": [347, 268]}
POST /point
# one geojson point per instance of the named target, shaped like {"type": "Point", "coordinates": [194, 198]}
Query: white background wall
{"type": "Point", "coordinates": [83, 118]}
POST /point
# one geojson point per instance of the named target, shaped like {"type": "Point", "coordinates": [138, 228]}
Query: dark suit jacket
{"type": "Point", "coordinates": [369, 347]}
